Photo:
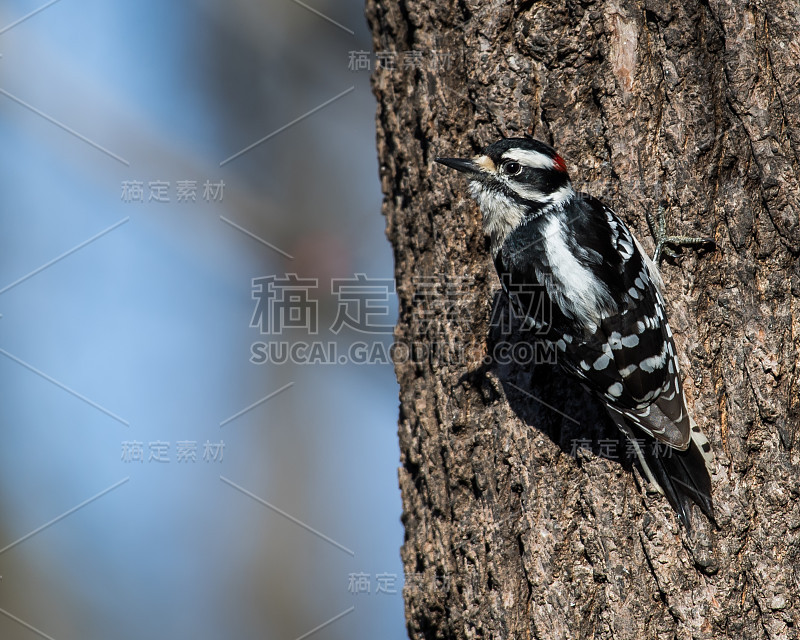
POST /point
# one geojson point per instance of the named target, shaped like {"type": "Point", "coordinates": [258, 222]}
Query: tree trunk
{"type": "Point", "coordinates": [512, 529]}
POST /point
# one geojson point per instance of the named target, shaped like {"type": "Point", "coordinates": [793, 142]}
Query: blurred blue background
{"type": "Point", "coordinates": [281, 522]}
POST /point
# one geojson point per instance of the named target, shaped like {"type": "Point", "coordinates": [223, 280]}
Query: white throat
{"type": "Point", "coordinates": [501, 214]}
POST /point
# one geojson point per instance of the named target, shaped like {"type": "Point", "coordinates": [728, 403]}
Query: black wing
{"type": "Point", "coordinates": [627, 355]}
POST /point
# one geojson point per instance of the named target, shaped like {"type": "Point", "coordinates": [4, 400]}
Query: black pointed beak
{"type": "Point", "coordinates": [465, 166]}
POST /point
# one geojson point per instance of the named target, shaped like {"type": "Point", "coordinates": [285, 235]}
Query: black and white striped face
{"type": "Point", "coordinates": [512, 180]}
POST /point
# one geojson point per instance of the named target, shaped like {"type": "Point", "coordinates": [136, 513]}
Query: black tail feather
{"type": "Point", "coordinates": [683, 477]}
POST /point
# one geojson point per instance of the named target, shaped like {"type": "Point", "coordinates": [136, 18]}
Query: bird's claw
{"type": "Point", "coordinates": [666, 244]}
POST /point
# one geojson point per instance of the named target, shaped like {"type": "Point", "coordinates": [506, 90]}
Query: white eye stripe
{"type": "Point", "coordinates": [530, 193]}
{"type": "Point", "coordinates": [528, 158]}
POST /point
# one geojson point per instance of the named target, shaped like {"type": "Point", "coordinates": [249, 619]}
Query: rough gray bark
{"type": "Point", "coordinates": [697, 107]}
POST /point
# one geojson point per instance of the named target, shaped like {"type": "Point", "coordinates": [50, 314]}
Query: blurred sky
{"type": "Point", "coordinates": [127, 321]}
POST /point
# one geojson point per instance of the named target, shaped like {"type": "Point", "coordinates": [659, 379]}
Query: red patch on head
{"type": "Point", "coordinates": [559, 164]}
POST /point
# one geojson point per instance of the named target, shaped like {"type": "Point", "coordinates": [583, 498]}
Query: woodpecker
{"type": "Point", "coordinates": [608, 322]}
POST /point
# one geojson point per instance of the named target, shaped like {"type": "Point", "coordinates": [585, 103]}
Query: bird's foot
{"type": "Point", "coordinates": [666, 244]}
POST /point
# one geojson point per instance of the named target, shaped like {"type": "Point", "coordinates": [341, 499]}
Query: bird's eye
{"type": "Point", "coordinates": [512, 168]}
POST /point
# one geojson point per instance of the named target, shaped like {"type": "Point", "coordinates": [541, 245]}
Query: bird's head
{"type": "Point", "coordinates": [513, 180]}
